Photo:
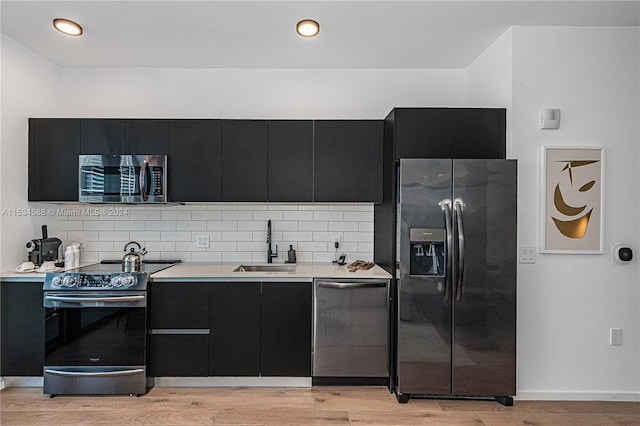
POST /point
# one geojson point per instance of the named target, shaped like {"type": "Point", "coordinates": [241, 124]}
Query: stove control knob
{"type": "Point", "coordinates": [114, 282]}
{"type": "Point", "coordinates": [69, 282]}
{"type": "Point", "coordinates": [55, 281]}
{"type": "Point", "coordinates": [128, 281]}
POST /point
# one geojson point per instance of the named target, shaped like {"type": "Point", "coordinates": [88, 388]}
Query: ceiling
{"type": "Point", "coordinates": [261, 34]}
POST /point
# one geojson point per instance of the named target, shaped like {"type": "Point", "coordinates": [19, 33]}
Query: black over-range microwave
{"type": "Point", "coordinates": [122, 179]}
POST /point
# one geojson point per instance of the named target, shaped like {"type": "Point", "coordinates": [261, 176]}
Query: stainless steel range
{"type": "Point", "coordinates": [96, 330]}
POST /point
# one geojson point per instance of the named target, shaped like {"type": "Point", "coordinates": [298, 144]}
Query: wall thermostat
{"type": "Point", "coordinates": [549, 118]}
{"type": "Point", "coordinates": [622, 253]}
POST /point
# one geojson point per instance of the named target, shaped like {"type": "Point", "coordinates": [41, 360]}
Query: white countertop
{"type": "Point", "coordinates": [205, 271]}
{"type": "Point", "coordinates": [202, 271]}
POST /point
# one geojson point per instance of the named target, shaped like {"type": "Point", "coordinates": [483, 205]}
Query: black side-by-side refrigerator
{"type": "Point", "coordinates": [456, 283]}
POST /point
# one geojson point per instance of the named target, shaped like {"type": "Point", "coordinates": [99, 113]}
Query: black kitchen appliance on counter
{"type": "Point", "coordinates": [44, 249]}
{"type": "Point", "coordinates": [96, 330]}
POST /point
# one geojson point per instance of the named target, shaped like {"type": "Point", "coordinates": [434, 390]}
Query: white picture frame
{"type": "Point", "coordinates": [572, 200]}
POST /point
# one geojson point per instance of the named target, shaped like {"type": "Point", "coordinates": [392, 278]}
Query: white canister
{"type": "Point", "coordinates": [69, 258]}
{"type": "Point", "coordinates": [76, 254]}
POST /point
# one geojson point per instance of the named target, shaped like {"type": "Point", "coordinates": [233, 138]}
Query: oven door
{"type": "Point", "coordinates": [122, 178]}
{"type": "Point", "coordinates": [96, 343]}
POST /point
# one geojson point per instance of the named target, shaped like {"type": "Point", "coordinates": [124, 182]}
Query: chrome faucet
{"type": "Point", "coordinates": [270, 254]}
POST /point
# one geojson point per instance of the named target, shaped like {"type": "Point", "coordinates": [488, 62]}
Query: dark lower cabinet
{"type": "Point", "coordinates": [54, 146]}
{"type": "Point", "coordinates": [286, 330]}
{"type": "Point", "coordinates": [179, 355]}
{"type": "Point", "coordinates": [234, 342]}
{"type": "Point", "coordinates": [179, 336]}
{"type": "Point", "coordinates": [23, 325]}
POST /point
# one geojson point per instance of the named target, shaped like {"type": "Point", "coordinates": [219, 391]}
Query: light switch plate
{"type": "Point", "coordinates": [527, 255]}
{"type": "Point", "coordinates": [202, 241]}
{"type": "Point", "coordinates": [615, 337]}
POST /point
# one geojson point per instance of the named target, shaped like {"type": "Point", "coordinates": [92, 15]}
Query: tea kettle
{"type": "Point", "coordinates": [132, 261]}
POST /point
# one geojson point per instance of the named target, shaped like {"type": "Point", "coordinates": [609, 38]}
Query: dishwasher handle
{"type": "Point", "coordinates": [351, 285]}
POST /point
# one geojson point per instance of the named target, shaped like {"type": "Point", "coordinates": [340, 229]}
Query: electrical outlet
{"type": "Point", "coordinates": [202, 241]}
{"type": "Point", "coordinates": [615, 337]}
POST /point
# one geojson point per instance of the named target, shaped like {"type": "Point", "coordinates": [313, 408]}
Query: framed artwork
{"type": "Point", "coordinates": [572, 191]}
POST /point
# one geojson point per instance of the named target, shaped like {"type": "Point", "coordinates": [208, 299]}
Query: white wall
{"type": "Point", "coordinates": [567, 303]}
{"type": "Point", "coordinates": [30, 88]}
{"type": "Point", "coordinates": [254, 93]}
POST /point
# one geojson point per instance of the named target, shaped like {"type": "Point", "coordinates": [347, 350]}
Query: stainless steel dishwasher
{"type": "Point", "coordinates": [351, 331]}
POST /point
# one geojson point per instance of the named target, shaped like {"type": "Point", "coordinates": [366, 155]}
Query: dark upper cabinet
{"type": "Point", "coordinates": [290, 160]}
{"type": "Point", "coordinates": [23, 322]}
{"type": "Point", "coordinates": [244, 160]}
{"type": "Point", "coordinates": [347, 162]}
{"type": "Point", "coordinates": [194, 160]}
{"type": "Point", "coordinates": [421, 133]}
{"type": "Point", "coordinates": [447, 132]}
{"type": "Point", "coordinates": [109, 136]}
{"type": "Point", "coordinates": [234, 342]}
{"type": "Point", "coordinates": [54, 146]}
{"type": "Point", "coordinates": [103, 136]}
{"type": "Point", "coordinates": [477, 133]}
{"type": "Point", "coordinates": [146, 136]}
{"type": "Point", "coordinates": [286, 329]}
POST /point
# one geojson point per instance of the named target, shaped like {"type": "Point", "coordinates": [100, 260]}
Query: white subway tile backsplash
{"type": "Point", "coordinates": [343, 226]}
{"type": "Point", "coordinates": [175, 236]}
{"type": "Point", "coordinates": [160, 225]}
{"type": "Point", "coordinates": [358, 216]}
{"type": "Point", "coordinates": [297, 215]}
{"type": "Point", "coordinates": [328, 215]}
{"type": "Point", "coordinates": [191, 225]}
{"type": "Point", "coordinates": [237, 232]}
{"type": "Point", "coordinates": [237, 215]}
{"type": "Point", "coordinates": [207, 215]}
{"type": "Point", "coordinates": [237, 236]}
{"type": "Point", "coordinates": [113, 235]}
{"type": "Point", "coordinates": [131, 225]}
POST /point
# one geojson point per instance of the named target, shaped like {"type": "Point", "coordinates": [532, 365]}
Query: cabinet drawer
{"type": "Point", "coordinates": [180, 294]}
{"type": "Point", "coordinates": [179, 355]}
{"type": "Point", "coordinates": [179, 317]}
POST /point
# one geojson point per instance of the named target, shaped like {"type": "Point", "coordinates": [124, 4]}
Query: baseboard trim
{"type": "Point", "coordinates": [578, 396]}
{"type": "Point", "coordinates": [23, 382]}
{"type": "Point", "coordinates": [293, 382]}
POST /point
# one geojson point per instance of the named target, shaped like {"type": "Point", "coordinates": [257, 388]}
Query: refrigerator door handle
{"type": "Point", "coordinates": [446, 207]}
{"type": "Point", "coordinates": [457, 205]}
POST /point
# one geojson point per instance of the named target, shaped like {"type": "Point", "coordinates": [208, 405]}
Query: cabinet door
{"type": "Point", "coordinates": [194, 161]}
{"type": "Point", "coordinates": [103, 136]}
{"type": "Point", "coordinates": [22, 329]}
{"type": "Point", "coordinates": [347, 161]}
{"type": "Point", "coordinates": [179, 355]}
{"type": "Point", "coordinates": [290, 160]}
{"type": "Point", "coordinates": [179, 306]}
{"type": "Point", "coordinates": [477, 133]}
{"type": "Point", "coordinates": [54, 146]}
{"type": "Point", "coordinates": [421, 133]}
{"type": "Point", "coordinates": [286, 329]}
{"type": "Point", "coordinates": [147, 136]}
{"type": "Point", "coordinates": [234, 342]}
{"type": "Point", "coordinates": [244, 160]}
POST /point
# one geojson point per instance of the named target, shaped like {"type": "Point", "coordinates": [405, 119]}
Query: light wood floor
{"type": "Point", "coordinates": [295, 406]}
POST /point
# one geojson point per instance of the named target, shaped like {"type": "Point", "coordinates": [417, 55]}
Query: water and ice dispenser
{"type": "Point", "coordinates": [427, 252]}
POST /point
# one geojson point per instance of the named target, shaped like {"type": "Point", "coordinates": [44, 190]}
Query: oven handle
{"type": "Point", "coordinates": [95, 299]}
{"type": "Point", "coordinates": [95, 374]}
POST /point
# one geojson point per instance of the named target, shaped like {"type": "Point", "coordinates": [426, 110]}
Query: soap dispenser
{"type": "Point", "coordinates": [291, 255]}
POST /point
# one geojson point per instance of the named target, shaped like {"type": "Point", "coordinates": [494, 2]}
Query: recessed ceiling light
{"type": "Point", "coordinates": [67, 27]}
{"type": "Point", "coordinates": [308, 28]}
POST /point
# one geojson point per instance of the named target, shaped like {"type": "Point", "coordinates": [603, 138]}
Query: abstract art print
{"type": "Point", "coordinates": [572, 191]}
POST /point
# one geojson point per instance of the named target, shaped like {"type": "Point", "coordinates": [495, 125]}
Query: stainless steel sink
{"type": "Point", "coordinates": [266, 268]}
